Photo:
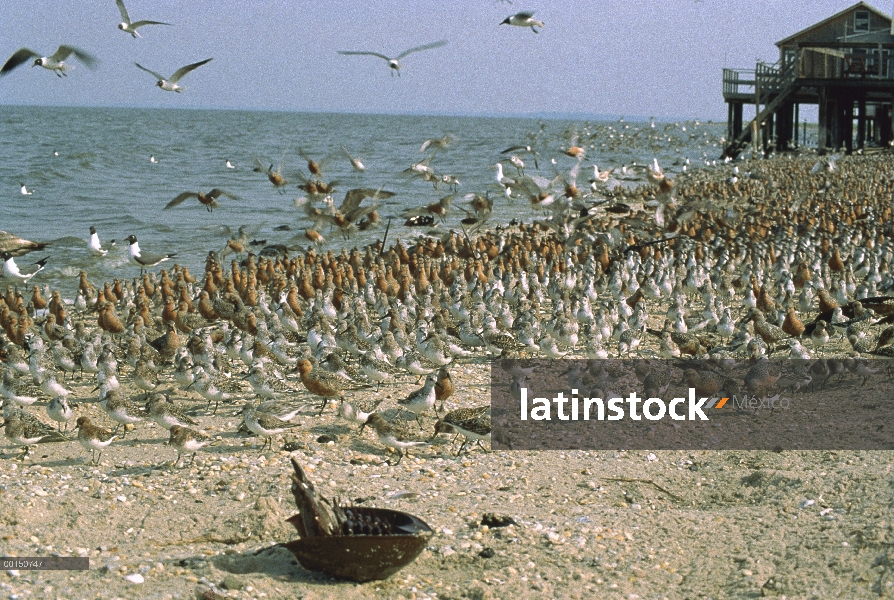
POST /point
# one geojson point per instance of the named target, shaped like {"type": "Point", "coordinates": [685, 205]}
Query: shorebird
{"type": "Point", "coordinates": [60, 411]}
{"type": "Point", "coordinates": [358, 411]}
{"type": "Point", "coordinates": [209, 200]}
{"type": "Point", "coordinates": [322, 383]}
{"type": "Point", "coordinates": [121, 410]}
{"type": "Point", "coordinates": [93, 438]}
{"type": "Point", "coordinates": [24, 429]}
{"type": "Point", "coordinates": [184, 439]}
{"type": "Point", "coordinates": [392, 436]}
{"type": "Point", "coordinates": [128, 26]}
{"type": "Point", "coordinates": [394, 63]}
{"type": "Point", "coordinates": [167, 414]}
{"type": "Point", "coordinates": [523, 19]}
{"type": "Point", "coordinates": [170, 85]}
{"type": "Point", "coordinates": [11, 269]}
{"type": "Point", "coordinates": [473, 423]}
{"type": "Point", "coordinates": [144, 259]}
{"type": "Point", "coordinates": [422, 400]}
{"type": "Point", "coordinates": [95, 247]}
{"type": "Point", "coordinates": [55, 62]}
{"type": "Point", "coordinates": [264, 424]}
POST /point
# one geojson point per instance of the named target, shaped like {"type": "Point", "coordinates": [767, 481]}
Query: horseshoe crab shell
{"type": "Point", "coordinates": [353, 542]}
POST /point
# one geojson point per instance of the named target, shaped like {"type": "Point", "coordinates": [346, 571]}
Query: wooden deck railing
{"type": "Point", "coordinates": [817, 61]}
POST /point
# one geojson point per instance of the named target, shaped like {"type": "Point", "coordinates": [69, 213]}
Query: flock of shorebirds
{"type": "Point", "coordinates": [780, 260]}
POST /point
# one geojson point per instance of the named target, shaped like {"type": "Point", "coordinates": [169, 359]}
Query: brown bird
{"type": "Point", "coordinates": [826, 302]}
{"type": "Point", "coordinates": [209, 200]}
{"type": "Point", "coordinates": [167, 344]}
{"type": "Point", "coordinates": [322, 383]}
{"type": "Point", "coordinates": [93, 438]}
{"type": "Point", "coordinates": [792, 325]}
{"type": "Point", "coordinates": [444, 387]}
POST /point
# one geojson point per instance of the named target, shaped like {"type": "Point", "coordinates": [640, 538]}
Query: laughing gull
{"type": "Point", "coordinates": [95, 247]}
{"type": "Point", "coordinates": [208, 200]}
{"type": "Point", "coordinates": [523, 19]}
{"type": "Point", "coordinates": [25, 191]}
{"type": "Point", "coordinates": [129, 26]}
{"type": "Point", "coordinates": [394, 62]}
{"type": "Point", "coordinates": [170, 85]}
{"type": "Point", "coordinates": [11, 269]}
{"type": "Point", "coordinates": [144, 259]}
{"type": "Point", "coordinates": [55, 62]}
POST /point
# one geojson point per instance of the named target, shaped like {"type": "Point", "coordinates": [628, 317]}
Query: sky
{"type": "Point", "coordinates": [649, 58]}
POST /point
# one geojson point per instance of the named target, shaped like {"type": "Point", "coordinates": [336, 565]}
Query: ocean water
{"type": "Point", "coordinates": [102, 175]}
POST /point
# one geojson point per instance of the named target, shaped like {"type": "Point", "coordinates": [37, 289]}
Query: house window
{"type": "Point", "coordinates": [861, 21]}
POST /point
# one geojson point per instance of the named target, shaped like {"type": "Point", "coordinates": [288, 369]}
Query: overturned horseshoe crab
{"type": "Point", "coordinates": [352, 542]}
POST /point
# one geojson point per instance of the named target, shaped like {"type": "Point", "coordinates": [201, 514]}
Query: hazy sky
{"type": "Point", "coordinates": [647, 58]}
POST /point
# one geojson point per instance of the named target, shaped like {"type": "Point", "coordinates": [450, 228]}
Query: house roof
{"type": "Point", "coordinates": [860, 5]}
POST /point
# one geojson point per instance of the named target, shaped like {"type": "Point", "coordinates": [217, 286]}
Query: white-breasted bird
{"type": "Point", "coordinates": [170, 84]}
{"type": "Point", "coordinates": [523, 19]}
{"type": "Point", "coordinates": [54, 62]}
{"type": "Point", "coordinates": [95, 247]}
{"type": "Point", "coordinates": [394, 63]}
{"type": "Point", "coordinates": [11, 269]}
{"type": "Point", "coordinates": [128, 26]}
{"type": "Point", "coordinates": [144, 259]}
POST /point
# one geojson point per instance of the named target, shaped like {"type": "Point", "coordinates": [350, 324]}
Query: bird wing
{"type": "Point", "coordinates": [217, 193]}
{"type": "Point", "coordinates": [124, 16]}
{"type": "Point", "coordinates": [144, 22]}
{"type": "Point", "coordinates": [20, 56]}
{"type": "Point", "coordinates": [423, 47]}
{"type": "Point", "coordinates": [179, 199]}
{"type": "Point", "coordinates": [425, 145]}
{"type": "Point", "coordinates": [353, 198]}
{"type": "Point", "coordinates": [525, 15]}
{"type": "Point", "coordinates": [362, 53]}
{"type": "Point", "coordinates": [63, 52]}
{"type": "Point", "coordinates": [153, 73]}
{"type": "Point", "coordinates": [179, 73]}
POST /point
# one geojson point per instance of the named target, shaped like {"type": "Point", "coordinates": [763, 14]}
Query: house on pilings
{"type": "Point", "coordinates": [843, 64]}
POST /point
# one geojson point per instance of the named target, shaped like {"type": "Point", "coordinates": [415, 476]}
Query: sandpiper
{"type": "Point", "coordinates": [93, 438]}
{"type": "Point", "coordinates": [184, 439]}
{"type": "Point", "coordinates": [392, 436]}
{"type": "Point", "coordinates": [265, 424]}
{"type": "Point", "coordinates": [473, 423]}
{"type": "Point", "coordinates": [422, 400]}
